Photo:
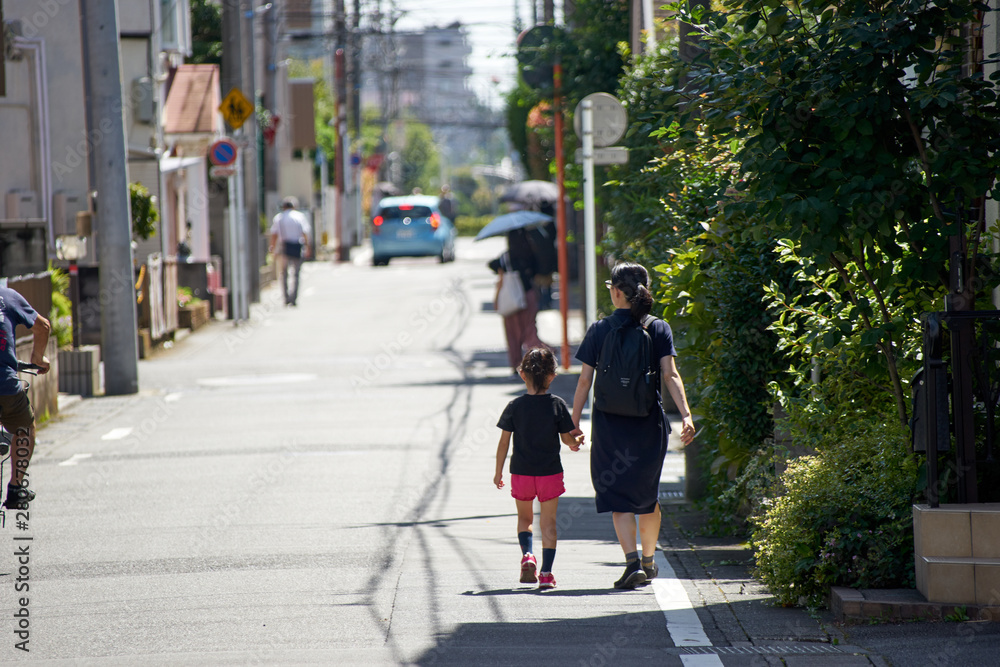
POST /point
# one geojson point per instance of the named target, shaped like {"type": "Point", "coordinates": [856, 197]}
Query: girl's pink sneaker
{"type": "Point", "coordinates": [546, 580]}
{"type": "Point", "coordinates": [528, 565]}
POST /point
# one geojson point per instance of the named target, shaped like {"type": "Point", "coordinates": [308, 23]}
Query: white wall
{"type": "Point", "coordinates": [54, 27]}
{"type": "Point", "coordinates": [135, 16]}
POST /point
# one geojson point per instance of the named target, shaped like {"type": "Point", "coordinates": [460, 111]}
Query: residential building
{"type": "Point", "coordinates": [424, 75]}
{"type": "Point", "coordinates": [43, 124]}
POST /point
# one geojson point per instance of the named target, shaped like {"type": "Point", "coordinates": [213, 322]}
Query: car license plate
{"type": "Point", "coordinates": [404, 234]}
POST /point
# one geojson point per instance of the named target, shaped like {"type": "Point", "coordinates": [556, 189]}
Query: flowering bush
{"type": "Point", "coordinates": [843, 517]}
{"type": "Point", "coordinates": [185, 297]}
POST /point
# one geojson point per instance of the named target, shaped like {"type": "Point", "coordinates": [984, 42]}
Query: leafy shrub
{"type": "Point", "coordinates": [144, 212]}
{"type": "Point", "coordinates": [843, 517]}
{"type": "Point", "coordinates": [61, 315]}
{"type": "Point", "coordinates": [470, 225]}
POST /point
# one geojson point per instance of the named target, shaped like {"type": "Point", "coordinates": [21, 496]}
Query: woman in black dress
{"type": "Point", "coordinates": [627, 452]}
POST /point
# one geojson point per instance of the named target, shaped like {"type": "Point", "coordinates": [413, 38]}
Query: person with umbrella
{"type": "Point", "coordinates": [519, 262]}
{"type": "Point", "coordinates": [539, 196]}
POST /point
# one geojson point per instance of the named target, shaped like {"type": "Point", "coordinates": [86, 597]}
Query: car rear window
{"type": "Point", "coordinates": [404, 211]}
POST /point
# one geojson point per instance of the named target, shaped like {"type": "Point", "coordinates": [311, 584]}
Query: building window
{"type": "Point", "coordinates": [168, 16]}
{"type": "Point", "coordinates": [175, 26]}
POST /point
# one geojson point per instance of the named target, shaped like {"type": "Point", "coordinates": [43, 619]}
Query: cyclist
{"type": "Point", "coordinates": [15, 409]}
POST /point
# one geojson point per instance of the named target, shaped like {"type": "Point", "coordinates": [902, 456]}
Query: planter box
{"type": "Point", "coordinates": [193, 316]}
{"type": "Point", "coordinates": [80, 370]}
{"type": "Point", "coordinates": [956, 549]}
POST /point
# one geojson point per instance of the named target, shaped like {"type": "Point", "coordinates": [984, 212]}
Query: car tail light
{"type": "Point", "coordinates": [406, 207]}
{"type": "Point", "coordinates": [435, 220]}
{"type": "Point", "coordinates": [377, 222]}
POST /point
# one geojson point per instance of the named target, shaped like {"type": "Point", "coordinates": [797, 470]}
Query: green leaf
{"type": "Point", "coordinates": [776, 21]}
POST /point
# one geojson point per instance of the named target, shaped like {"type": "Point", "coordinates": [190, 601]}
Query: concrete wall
{"type": "Point", "coordinates": [44, 389]}
{"type": "Point", "coordinates": [53, 31]}
{"type": "Point", "coordinates": [135, 16]}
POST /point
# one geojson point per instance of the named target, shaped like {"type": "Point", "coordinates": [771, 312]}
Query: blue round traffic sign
{"type": "Point", "coordinates": [222, 153]}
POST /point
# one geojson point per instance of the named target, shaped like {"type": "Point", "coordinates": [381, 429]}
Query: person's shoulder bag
{"type": "Point", "coordinates": [511, 297]}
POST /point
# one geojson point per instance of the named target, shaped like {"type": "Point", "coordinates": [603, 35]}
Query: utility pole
{"type": "Point", "coordinates": [270, 168]}
{"type": "Point", "coordinates": [232, 77]}
{"type": "Point", "coordinates": [355, 69]}
{"type": "Point", "coordinates": [248, 153]}
{"type": "Point", "coordinates": [119, 334]}
{"type": "Point", "coordinates": [341, 161]}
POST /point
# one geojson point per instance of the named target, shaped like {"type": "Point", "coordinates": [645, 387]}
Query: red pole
{"type": "Point", "coordinates": [561, 214]}
{"type": "Point", "coordinates": [338, 161]}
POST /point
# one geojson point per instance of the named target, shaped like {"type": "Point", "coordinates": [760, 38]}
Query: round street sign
{"type": "Point", "coordinates": [610, 119]}
{"type": "Point", "coordinates": [222, 153]}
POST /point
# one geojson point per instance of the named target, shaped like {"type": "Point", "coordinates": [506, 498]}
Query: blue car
{"type": "Point", "coordinates": [411, 226]}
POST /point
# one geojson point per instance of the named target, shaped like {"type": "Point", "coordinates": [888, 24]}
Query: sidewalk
{"type": "Point", "coordinates": [736, 610]}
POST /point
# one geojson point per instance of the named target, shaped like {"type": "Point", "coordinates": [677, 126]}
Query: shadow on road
{"type": "Point", "coordinates": [601, 640]}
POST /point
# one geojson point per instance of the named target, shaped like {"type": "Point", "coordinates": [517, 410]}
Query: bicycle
{"type": "Point", "coordinates": [5, 435]}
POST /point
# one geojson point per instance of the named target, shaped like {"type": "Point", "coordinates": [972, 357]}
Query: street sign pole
{"type": "Point", "coordinates": [234, 269]}
{"type": "Point", "coordinates": [589, 222]}
{"type": "Point", "coordinates": [243, 250]}
{"type": "Point", "coordinates": [236, 108]}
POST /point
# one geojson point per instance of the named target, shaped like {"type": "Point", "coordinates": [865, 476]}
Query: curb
{"type": "Point", "coordinates": [851, 605]}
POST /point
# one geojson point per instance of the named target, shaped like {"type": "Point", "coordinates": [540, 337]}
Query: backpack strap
{"type": "Point", "coordinates": [646, 323]}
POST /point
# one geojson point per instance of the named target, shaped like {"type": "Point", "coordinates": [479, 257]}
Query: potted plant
{"type": "Point", "coordinates": [192, 312]}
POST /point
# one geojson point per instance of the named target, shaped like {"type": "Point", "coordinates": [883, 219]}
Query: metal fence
{"type": "Point", "coordinates": [961, 362]}
{"type": "Point", "coordinates": [36, 288]}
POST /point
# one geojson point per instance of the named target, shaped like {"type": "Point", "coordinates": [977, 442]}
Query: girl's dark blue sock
{"type": "Point", "coordinates": [524, 538]}
{"type": "Point", "coordinates": [548, 555]}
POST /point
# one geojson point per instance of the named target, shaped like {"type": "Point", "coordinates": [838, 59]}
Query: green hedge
{"type": "Point", "coordinates": [469, 225]}
{"type": "Point", "coordinates": [844, 517]}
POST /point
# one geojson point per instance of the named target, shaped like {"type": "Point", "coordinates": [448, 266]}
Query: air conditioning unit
{"type": "Point", "coordinates": [22, 205]}
{"type": "Point", "coordinates": [65, 204]}
{"type": "Point", "coordinates": [142, 99]}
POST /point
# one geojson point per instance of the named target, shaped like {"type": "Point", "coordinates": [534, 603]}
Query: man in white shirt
{"type": "Point", "coordinates": [291, 229]}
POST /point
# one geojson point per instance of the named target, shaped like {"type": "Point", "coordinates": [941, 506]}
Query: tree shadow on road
{"type": "Point", "coordinates": [600, 640]}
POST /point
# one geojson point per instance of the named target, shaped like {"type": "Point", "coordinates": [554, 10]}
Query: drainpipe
{"type": "Point", "coordinates": [37, 48]}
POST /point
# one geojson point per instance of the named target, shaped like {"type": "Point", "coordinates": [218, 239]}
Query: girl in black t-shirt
{"type": "Point", "coordinates": [538, 420]}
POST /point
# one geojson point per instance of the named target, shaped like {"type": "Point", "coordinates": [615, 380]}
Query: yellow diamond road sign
{"type": "Point", "coordinates": [236, 108]}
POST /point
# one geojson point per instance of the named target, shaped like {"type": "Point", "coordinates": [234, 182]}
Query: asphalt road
{"type": "Point", "coordinates": [311, 487]}
{"type": "Point", "coordinates": [315, 487]}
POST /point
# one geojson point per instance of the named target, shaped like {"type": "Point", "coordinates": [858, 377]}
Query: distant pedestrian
{"type": "Point", "coordinates": [538, 421]}
{"type": "Point", "coordinates": [446, 204]}
{"type": "Point", "coordinates": [520, 328]}
{"type": "Point", "coordinates": [16, 414]}
{"type": "Point", "coordinates": [627, 453]}
{"type": "Point", "coordinates": [291, 229]}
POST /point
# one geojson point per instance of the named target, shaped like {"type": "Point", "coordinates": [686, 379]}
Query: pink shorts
{"type": "Point", "coordinates": [546, 487]}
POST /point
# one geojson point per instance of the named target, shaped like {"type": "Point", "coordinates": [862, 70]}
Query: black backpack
{"type": "Point", "coordinates": [625, 380]}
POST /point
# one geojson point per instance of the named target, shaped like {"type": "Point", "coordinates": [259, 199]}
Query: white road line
{"type": "Point", "coordinates": [702, 660]}
{"type": "Point", "coordinates": [117, 433]}
{"type": "Point", "coordinates": [170, 398]}
{"type": "Point", "coordinates": [683, 624]}
{"type": "Point", "coordinates": [73, 460]}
